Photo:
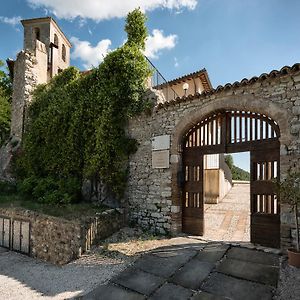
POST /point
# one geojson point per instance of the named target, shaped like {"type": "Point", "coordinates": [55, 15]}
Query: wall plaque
{"type": "Point", "coordinates": [161, 159]}
{"type": "Point", "coordinates": [161, 142]}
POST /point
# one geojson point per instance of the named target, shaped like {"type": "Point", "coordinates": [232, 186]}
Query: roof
{"type": "Point", "coordinates": [286, 70]}
{"type": "Point", "coordinates": [48, 20]}
{"type": "Point", "coordinates": [202, 74]}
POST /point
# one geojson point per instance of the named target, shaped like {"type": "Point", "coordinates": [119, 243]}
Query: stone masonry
{"type": "Point", "coordinates": [59, 240]}
{"type": "Point", "coordinates": [154, 200]}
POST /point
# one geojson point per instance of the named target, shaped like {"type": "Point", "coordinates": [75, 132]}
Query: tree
{"type": "Point", "coordinates": [77, 124]}
{"type": "Point", "coordinates": [229, 161]}
{"type": "Point", "coordinates": [237, 173]}
{"type": "Point", "coordinates": [5, 100]}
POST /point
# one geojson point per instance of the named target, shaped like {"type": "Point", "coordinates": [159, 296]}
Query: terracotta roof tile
{"type": "Point", "coordinates": [201, 73]}
{"type": "Point", "coordinates": [275, 73]}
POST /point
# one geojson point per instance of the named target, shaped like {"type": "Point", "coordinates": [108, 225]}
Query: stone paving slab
{"type": "Point", "coordinates": [253, 256]}
{"type": "Point", "coordinates": [264, 274]}
{"type": "Point", "coordinates": [139, 281]}
{"type": "Point", "coordinates": [233, 288]}
{"type": "Point", "coordinates": [207, 296]}
{"type": "Point", "coordinates": [201, 273]}
{"type": "Point", "coordinates": [171, 291]}
{"type": "Point", "coordinates": [112, 292]}
{"type": "Point", "coordinates": [192, 274]}
{"type": "Point", "coordinates": [164, 263]}
{"type": "Point", "coordinates": [212, 253]}
{"type": "Point", "coordinates": [3, 250]}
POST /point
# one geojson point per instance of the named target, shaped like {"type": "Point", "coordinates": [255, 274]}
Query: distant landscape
{"type": "Point", "coordinates": [237, 173]}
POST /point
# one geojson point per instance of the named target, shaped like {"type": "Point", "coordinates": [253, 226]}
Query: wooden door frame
{"type": "Point", "coordinates": [232, 138]}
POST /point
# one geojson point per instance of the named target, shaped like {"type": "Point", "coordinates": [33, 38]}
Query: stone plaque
{"type": "Point", "coordinates": [160, 159]}
{"type": "Point", "coordinates": [161, 142]}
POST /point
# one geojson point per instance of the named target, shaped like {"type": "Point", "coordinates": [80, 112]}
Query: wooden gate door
{"type": "Point", "coordinates": [265, 209]}
{"type": "Point", "coordinates": [193, 204]}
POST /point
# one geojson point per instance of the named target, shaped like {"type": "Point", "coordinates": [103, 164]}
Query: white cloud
{"type": "Point", "coordinates": [107, 9]}
{"type": "Point", "coordinates": [11, 21]}
{"type": "Point", "coordinates": [157, 42]}
{"type": "Point", "coordinates": [90, 56]}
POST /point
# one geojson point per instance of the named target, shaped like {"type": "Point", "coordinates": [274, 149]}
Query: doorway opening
{"type": "Point", "coordinates": [227, 197]}
{"type": "Point", "coordinates": [231, 131]}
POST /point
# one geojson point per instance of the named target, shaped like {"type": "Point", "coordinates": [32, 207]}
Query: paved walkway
{"type": "Point", "coordinates": [229, 220]}
{"type": "Point", "coordinates": [195, 271]}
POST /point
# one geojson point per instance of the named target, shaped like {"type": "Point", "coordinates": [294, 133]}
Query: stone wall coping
{"type": "Point", "coordinates": [22, 213]}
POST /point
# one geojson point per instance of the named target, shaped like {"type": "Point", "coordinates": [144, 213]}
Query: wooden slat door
{"type": "Point", "coordinates": [193, 204]}
{"type": "Point", "coordinates": [265, 208]}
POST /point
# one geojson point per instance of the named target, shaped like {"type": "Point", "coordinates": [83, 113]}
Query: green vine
{"type": "Point", "coordinates": [76, 126]}
{"type": "Point", "coordinates": [5, 100]}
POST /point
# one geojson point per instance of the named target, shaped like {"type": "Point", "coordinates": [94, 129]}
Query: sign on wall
{"type": "Point", "coordinates": [160, 159]}
{"type": "Point", "coordinates": [161, 152]}
{"type": "Point", "coordinates": [161, 142]}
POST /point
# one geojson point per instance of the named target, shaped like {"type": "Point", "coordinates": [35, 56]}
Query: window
{"type": "Point", "coordinates": [63, 52]}
{"type": "Point", "coordinates": [37, 33]}
{"type": "Point", "coordinates": [55, 40]}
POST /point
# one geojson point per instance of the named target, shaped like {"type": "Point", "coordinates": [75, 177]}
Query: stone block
{"type": "Point", "coordinates": [234, 288]}
{"type": "Point", "coordinates": [192, 274]}
{"type": "Point", "coordinates": [261, 273]}
{"type": "Point", "coordinates": [296, 110]}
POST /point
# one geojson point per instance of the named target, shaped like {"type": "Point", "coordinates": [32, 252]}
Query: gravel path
{"type": "Point", "coordinates": [289, 282]}
{"type": "Point", "coordinates": [25, 278]}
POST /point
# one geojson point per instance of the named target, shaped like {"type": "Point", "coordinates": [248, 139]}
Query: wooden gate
{"type": "Point", "coordinates": [229, 132]}
{"type": "Point", "coordinates": [15, 234]}
{"type": "Point", "coordinates": [5, 229]}
{"type": "Point", "coordinates": [265, 209]}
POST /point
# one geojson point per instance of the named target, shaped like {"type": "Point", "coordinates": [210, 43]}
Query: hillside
{"type": "Point", "coordinates": [237, 173]}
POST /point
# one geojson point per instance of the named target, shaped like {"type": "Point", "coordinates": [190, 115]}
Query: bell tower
{"type": "Point", "coordinates": [46, 53]}
{"type": "Point", "coordinates": [45, 33]}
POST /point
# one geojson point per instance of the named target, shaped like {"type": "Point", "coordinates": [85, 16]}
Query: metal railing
{"type": "Point", "coordinates": [158, 79]}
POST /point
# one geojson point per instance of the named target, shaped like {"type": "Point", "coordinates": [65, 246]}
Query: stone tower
{"type": "Point", "coordinates": [46, 53]}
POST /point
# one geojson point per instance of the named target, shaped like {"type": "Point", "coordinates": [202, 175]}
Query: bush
{"type": "Point", "coordinates": [7, 187]}
{"type": "Point", "coordinates": [50, 190]}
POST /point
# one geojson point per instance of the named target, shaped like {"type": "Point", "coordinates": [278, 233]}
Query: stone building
{"type": "Point", "coordinates": [46, 53]}
{"type": "Point", "coordinates": [157, 182]}
{"type": "Point", "coordinates": [190, 119]}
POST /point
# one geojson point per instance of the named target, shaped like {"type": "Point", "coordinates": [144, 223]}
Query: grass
{"type": "Point", "coordinates": [69, 212]}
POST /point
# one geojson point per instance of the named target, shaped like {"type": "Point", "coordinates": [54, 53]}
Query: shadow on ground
{"type": "Point", "coordinates": [195, 271]}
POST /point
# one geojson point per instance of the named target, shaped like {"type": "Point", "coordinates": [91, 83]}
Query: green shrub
{"type": "Point", "coordinates": [76, 126]}
{"type": "Point", "coordinates": [7, 187]}
{"type": "Point", "coordinates": [50, 190]}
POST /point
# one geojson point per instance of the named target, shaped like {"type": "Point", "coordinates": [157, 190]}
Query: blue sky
{"type": "Point", "coordinates": [232, 39]}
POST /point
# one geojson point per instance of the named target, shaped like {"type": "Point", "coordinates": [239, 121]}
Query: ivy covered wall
{"type": "Point", "coordinates": [76, 124]}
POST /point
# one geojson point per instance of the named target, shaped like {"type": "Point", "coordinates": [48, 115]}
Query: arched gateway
{"type": "Point", "coordinates": [230, 131]}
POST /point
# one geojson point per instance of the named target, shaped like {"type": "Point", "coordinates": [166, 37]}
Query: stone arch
{"type": "Point", "coordinates": [37, 33]}
{"type": "Point", "coordinates": [63, 52]}
{"type": "Point", "coordinates": [55, 39]}
{"type": "Point", "coordinates": [244, 103]}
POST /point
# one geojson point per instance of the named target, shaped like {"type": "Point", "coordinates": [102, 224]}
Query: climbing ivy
{"type": "Point", "coordinates": [77, 122]}
{"type": "Point", "coordinates": [5, 100]}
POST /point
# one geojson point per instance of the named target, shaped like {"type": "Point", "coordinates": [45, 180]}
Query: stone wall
{"type": "Point", "coordinates": [25, 81]}
{"type": "Point", "coordinates": [60, 241]}
{"type": "Point", "coordinates": [154, 200]}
